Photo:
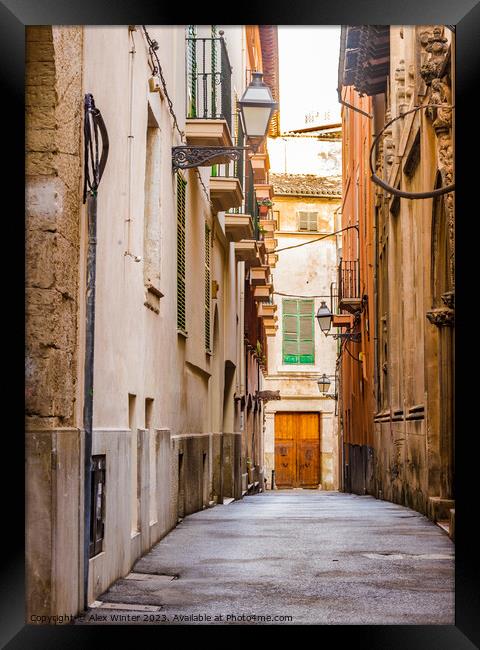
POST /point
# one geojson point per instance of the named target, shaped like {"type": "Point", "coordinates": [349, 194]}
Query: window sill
{"type": "Point", "coordinates": [182, 333]}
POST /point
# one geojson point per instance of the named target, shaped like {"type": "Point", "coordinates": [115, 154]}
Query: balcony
{"type": "Point", "coordinates": [272, 260]}
{"type": "Point", "coordinates": [260, 166]}
{"type": "Point", "coordinates": [270, 245]}
{"type": "Point", "coordinates": [225, 192]}
{"type": "Point", "coordinates": [263, 191]}
{"type": "Point", "coordinates": [262, 292]}
{"type": "Point", "coordinates": [349, 295]}
{"type": "Point", "coordinates": [238, 226]}
{"type": "Point", "coordinates": [268, 227]}
{"type": "Point", "coordinates": [259, 275]}
{"type": "Point", "coordinates": [209, 92]}
{"type": "Point", "coordinates": [266, 310]}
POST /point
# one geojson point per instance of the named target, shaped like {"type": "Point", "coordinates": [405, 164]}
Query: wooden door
{"type": "Point", "coordinates": [297, 450]}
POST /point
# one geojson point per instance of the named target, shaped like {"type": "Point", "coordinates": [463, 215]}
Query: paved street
{"type": "Point", "coordinates": [317, 557]}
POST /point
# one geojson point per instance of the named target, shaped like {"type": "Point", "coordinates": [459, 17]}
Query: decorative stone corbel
{"type": "Point", "coordinates": [441, 317]}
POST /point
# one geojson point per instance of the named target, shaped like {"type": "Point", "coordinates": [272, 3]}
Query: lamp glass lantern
{"type": "Point", "coordinates": [256, 107]}
{"type": "Point", "coordinates": [324, 317]}
{"type": "Point", "coordinates": [323, 383]}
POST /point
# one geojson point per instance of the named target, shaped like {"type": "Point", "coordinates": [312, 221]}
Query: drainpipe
{"type": "Point", "coordinates": [92, 120]}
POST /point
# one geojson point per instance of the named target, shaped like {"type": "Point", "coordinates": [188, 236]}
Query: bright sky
{"type": "Point", "coordinates": [308, 73]}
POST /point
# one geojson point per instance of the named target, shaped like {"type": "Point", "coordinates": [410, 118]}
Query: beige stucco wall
{"type": "Point", "coordinates": [170, 466]}
{"type": "Point", "coordinates": [141, 352]}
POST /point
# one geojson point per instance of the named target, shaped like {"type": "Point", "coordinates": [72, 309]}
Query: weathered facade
{"type": "Point", "coordinates": [301, 446]}
{"type": "Point", "coordinates": [174, 406]}
{"type": "Point", "coordinates": [397, 394]}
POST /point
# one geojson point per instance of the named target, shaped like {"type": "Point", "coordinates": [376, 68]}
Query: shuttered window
{"type": "Point", "coordinates": [208, 346]}
{"type": "Point", "coordinates": [181, 283]}
{"type": "Point", "coordinates": [307, 221]}
{"type": "Point", "coordinates": [298, 331]}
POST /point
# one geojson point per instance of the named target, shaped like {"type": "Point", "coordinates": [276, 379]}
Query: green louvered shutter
{"type": "Point", "coordinates": [181, 252]}
{"type": "Point", "coordinates": [298, 332]}
{"type": "Point", "coordinates": [306, 342]}
{"type": "Point", "coordinates": [208, 344]}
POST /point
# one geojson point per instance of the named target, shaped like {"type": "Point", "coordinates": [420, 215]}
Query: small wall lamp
{"type": "Point", "coordinates": [324, 384]}
{"type": "Point", "coordinates": [324, 318]}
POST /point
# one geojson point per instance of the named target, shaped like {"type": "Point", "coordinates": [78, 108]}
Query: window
{"type": "Point", "coordinates": [208, 346]}
{"type": "Point", "coordinates": [307, 221]}
{"type": "Point", "coordinates": [152, 221]}
{"type": "Point", "coordinates": [298, 331]}
{"type": "Point", "coordinates": [181, 283]}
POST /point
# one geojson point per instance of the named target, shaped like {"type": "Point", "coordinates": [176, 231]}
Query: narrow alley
{"type": "Point", "coordinates": [291, 556]}
{"type": "Point", "coordinates": [240, 337]}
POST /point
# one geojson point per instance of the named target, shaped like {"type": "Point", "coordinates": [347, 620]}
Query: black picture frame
{"type": "Point", "coordinates": [464, 16]}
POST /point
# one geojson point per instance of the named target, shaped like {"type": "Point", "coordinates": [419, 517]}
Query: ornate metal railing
{"type": "Point", "coordinates": [209, 79]}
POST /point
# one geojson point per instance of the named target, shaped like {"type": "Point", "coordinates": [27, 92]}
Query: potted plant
{"type": "Point", "coordinates": [264, 206]}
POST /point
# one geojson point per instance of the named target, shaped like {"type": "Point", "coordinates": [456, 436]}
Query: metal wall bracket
{"type": "Point", "coordinates": [186, 157]}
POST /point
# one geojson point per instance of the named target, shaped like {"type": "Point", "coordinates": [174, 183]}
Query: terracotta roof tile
{"type": "Point", "coordinates": [306, 185]}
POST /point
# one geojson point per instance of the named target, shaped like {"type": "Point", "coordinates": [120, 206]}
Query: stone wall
{"type": "Point", "coordinates": [53, 447]}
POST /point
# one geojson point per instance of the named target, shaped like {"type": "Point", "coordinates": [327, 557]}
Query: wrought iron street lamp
{"type": "Point", "coordinates": [323, 385]}
{"type": "Point", "coordinates": [256, 109]}
{"type": "Point", "coordinates": [324, 317]}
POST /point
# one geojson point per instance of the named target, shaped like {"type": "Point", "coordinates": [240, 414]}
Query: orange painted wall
{"type": "Point", "coordinates": [357, 388]}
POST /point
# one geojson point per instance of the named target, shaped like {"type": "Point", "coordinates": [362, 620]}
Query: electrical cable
{"type": "Point", "coordinates": [393, 190]}
{"type": "Point", "coordinates": [312, 241]}
{"type": "Point", "coordinates": [157, 70]}
{"type": "Point", "coordinates": [348, 351]}
{"type": "Point", "coordinates": [294, 295]}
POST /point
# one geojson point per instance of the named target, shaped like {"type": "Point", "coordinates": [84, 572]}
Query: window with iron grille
{"type": "Point", "coordinates": [208, 346]}
{"type": "Point", "coordinates": [181, 254]}
{"type": "Point", "coordinates": [97, 505]}
{"type": "Point", "coordinates": [298, 331]}
{"type": "Point", "coordinates": [307, 221]}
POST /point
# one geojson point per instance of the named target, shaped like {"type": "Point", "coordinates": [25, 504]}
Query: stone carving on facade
{"type": "Point", "coordinates": [441, 317]}
{"type": "Point", "coordinates": [410, 83]}
{"type": "Point", "coordinates": [388, 145]}
{"type": "Point", "coordinates": [448, 299]}
{"type": "Point", "coordinates": [435, 45]}
{"type": "Point", "coordinates": [400, 87]}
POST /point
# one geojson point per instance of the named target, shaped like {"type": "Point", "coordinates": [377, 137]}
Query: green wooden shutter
{"type": "Point", "coordinates": [181, 254]}
{"type": "Point", "coordinates": [208, 345]}
{"type": "Point", "coordinates": [306, 343]}
{"type": "Point", "coordinates": [298, 331]}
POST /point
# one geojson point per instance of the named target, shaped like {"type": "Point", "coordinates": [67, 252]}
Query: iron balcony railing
{"type": "Point", "coordinates": [209, 79]}
{"type": "Point", "coordinates": [348, 280]}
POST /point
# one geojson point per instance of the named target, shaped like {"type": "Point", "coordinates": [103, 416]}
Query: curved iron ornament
{"type": "Point", "coordinates": [394, 190]}
{"type": "Point", "coordinates": [185, 157]}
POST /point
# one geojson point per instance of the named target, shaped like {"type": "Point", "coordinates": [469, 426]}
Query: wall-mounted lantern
{"type": "Point", "coordinates": [256, 108]}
